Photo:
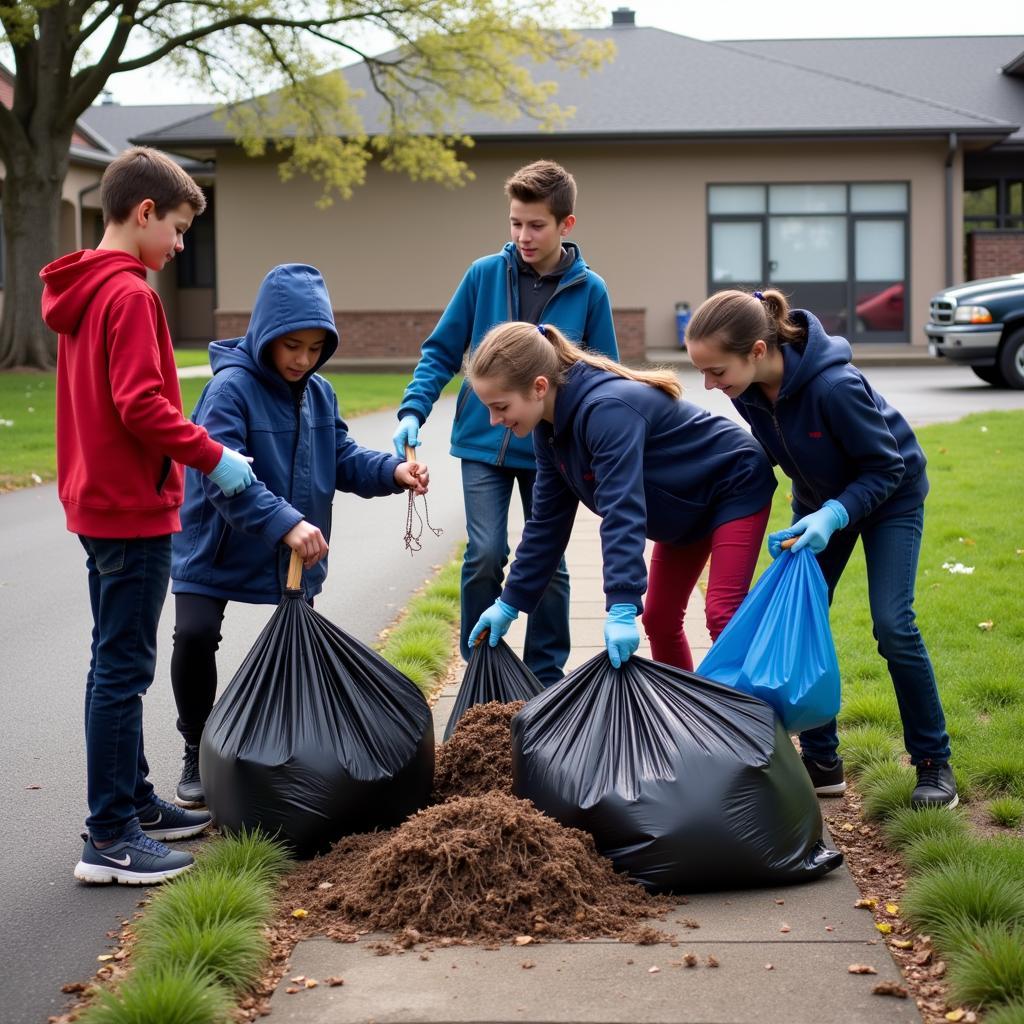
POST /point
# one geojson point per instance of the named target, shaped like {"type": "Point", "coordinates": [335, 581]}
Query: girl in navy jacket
{"type": "Point", "coordinates": [650, 465]}
{"type": "Point", "coordinates": [857, 471]}
{"type": "Point", "coordinates": [266, 401]}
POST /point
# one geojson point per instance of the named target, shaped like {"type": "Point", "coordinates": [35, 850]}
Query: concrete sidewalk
{"type": "Point", "coordinates": [798, 975]}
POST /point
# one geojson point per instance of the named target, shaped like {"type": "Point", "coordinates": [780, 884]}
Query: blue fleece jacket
{"type": "Point", "coordinates": [487, 296]}
{"type": "Point", "coordinates": [231, 547]}
{"type": "Point", "coordinates": [650, 466]}
{"type": "Point", "coordinates": [833, 435]}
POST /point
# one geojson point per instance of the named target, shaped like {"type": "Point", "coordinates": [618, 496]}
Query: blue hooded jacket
{"type": "Point", "coordinates": [231, 547]}
{"type": "Point", "coordinates": [649, 465]}
{"type": "Point", "coordinates": [833, 435]}
{"type": "Point", "coordinates": [488, 296]}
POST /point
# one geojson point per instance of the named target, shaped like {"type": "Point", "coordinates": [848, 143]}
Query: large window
{"type": "Point", "coordinates": [196, 263]}
{"type": "Point", "coordinates": [839, 250]}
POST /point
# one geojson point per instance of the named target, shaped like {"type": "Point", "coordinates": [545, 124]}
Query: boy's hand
{"type": "Point", "coordinates": [407, 435]}
{"type": "Point", "coordinates": [413, 476]}
{"type": "Point", "coordinates": [233, 473]}
{"type": "Point", "coordinates": [306, 540]}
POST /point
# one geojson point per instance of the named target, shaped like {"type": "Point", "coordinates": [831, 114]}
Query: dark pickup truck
{"type": "Point", "coordinates": [981, 323]}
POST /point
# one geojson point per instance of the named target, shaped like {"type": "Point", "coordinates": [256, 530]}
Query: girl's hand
{"type": "Point", "coordinates": [413, 476]}
{"type": "Point", "coordinates": [306, 540]}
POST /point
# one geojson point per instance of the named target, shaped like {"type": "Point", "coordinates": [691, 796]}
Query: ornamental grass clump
{"type": "Point", "coordinates": [887, 787]}
{"type": "Point", "coordinates": [989, 966]}
{"type": "Point", "coordinates": [166, 994]}
{"type": "Point", "coordinates": [863, 746]}
{"type": "Point", "coordinates": [909, 825]}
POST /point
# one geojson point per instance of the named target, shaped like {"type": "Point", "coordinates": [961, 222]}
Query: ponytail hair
{"type": "Point", "coordinates": [735, 320]}
{"type": "Point", "coordinates": [516, 353]}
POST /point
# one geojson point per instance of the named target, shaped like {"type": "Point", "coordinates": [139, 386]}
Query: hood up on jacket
{"type": "Point", "coordinates": [292, 297]}
{"type": "Point", "coordinates": [70, 283]}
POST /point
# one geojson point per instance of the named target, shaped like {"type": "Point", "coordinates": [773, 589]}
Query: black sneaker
{"type": "Point", "coordinates": [827, 778]}
{"type": "Point", "coordinates": [134, 859]}
{"type": "Point", "coordinates": [190, 786]}
{"type": "Point", "coordinates": [162, 820]}
{"type": "Point", "coordinates": [935, 787]}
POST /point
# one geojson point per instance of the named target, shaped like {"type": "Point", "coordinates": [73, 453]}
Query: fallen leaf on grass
{"type": "Point", "coordinates": [903, 943]}
{"type": "Point", "coordinates": [326, 885]}
{"type": "Point", "coordinates": [892, 909]}
{"type": "Point", "coordinates": [967, 541]}
{"type": "Point", "coordinates": [300, 913]}
{"type": "Point", "coordinates": [889, 988]}
{"type": "Point", "coordinates": [867, 902]}
{"type": "Point", "coordinates": [958, 1014]}
{"type": "Point", "coordinates": [884, 927]}
{"type": "Point", "coordinates": [847, 827]}
{"type": "Point", "coordinates": [861, 969]}
{"type": "Point", "coordinates": [986, 626]}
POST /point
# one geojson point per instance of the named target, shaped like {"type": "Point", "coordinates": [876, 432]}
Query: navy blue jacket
{"type": "Point", "coordinates": [487, 296]}
{"type": "Point", "coordinates": [833, 435]}
{"type": "Point", "coordinates": [231, 547]}
{"type": "Point", "coordinates": [650, 466]}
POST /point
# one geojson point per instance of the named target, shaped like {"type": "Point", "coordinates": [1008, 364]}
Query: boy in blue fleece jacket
{"type": "Point", "coordinates": [267, 401]}
{"type": "Point", "coordinates": [857, 471]}
{"type": "Point", "coordinates": [538, 276]}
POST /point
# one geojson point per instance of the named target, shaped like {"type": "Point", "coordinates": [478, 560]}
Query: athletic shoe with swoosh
{"type": "Point", "coordinates": [134, 859]}
{"type": "Point", "coordinates": [168, 822]}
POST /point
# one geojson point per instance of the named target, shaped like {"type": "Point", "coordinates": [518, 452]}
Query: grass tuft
{"type": "Point", "coordinates": [232, 952]}
{"type": "Point", "coordinates": [935, 851]}
{"type": "Point", "coordinates": [1007, 1013]}
{"type": "Point", "coordinates": [200, 898]}
{"type": "Point", "coordinates": [887, 787]}
{"type": "Point", "coordinates": [1007, 811]}
{"type": "Point", "coordinates": [909, 825]}
{"type": "Point", "coordinates": [999, 771]}
{"type": "Point", "coordinates": [864, 746]}
{"type": "Point", "coordinates": [989, 966]}
{"type": "Point", "coordinates": [952, 901]}
{"type": "Point", "coordinates": [873, 708]}
{"type": "Point", "coordinates": [162, 995]}
{"type": "Point", "coordinates": [251, 853]}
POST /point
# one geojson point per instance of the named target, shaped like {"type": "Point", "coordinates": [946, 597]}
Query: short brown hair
{"type": "Point", "coordinates": [544, 181]}
{"type": "Point", "coordinates": [143, 173]}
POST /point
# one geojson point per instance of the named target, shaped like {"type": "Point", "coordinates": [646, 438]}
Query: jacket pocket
{"type": "Point", "coordinates": [165, 472]}
{"type": "Point", "coordinates": [220, 551]}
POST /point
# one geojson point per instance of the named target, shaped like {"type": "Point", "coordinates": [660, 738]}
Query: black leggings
{"type": "Point", "coordinates": [197, 622]}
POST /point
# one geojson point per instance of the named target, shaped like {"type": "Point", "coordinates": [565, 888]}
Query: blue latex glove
{"type": "Point", "coordinates": [813, 530]}
{"type": "Point", "coordinates": [233, 473]}
{"type": "Point", "coordinates": [408, 433]}
{"type": "Point", "coordinates": [497, 619]}
{"type": "Point", "coordinates": [621, 636]}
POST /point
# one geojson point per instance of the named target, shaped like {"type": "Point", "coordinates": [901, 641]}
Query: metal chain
{"type": "Point", "coordinates": [413, 542]}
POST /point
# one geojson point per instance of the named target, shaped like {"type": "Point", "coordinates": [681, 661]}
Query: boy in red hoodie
{"type": "Point", "coordinates": [120, 438]}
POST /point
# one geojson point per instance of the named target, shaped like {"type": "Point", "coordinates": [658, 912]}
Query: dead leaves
{"type": "Point", "coordinates": [861, 969]}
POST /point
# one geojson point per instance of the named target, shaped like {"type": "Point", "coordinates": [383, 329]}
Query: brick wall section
{"type": "Point", "coordinates": [995, 253]}
{"type": "Point", "coordinates": [391, 334]}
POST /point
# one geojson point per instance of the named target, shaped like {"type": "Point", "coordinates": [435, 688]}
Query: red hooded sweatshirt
{"type": "Point", "coordinates": [119, 418]}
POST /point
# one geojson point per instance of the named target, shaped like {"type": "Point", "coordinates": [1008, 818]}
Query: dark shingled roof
{"type": "Point", "coordinates": [663, 85]}
{"type": "Point", "coordinates": [117, 124]}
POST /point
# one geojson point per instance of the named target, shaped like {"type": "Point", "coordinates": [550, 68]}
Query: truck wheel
{"type": "Point", "coordinates": [1011, 360]}
{"type": "Point", "coordinates": [990, 375]}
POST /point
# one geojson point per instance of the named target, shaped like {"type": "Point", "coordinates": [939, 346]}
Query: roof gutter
{"type": "Point", "coordinates": [950, 157]}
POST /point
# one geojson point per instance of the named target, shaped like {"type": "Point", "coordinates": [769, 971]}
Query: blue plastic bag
{"type": "Point", "coordinates": [778, 646]}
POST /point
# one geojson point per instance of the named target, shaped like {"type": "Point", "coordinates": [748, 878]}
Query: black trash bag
{"type": "Point", "coordinates": [493, 673]}
{"type": "Point", "coordinates": [684, 784]}
{"type": "Point", "coordinates": [316, 737]}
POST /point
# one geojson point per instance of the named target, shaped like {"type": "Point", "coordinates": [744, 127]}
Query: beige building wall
{"type": "Point", "coordinates": [399, 245]}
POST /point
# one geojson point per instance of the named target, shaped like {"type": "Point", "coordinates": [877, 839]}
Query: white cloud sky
{"type": "Point", "coordinates": [735, 19]}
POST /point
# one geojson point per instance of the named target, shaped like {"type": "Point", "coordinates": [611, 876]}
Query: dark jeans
{"type": "Point", "coordinates": [891, 550]}
{"type": "Point", "coordinates": [487, 492]}
{"type": "Point", "coordinates": [127, 587]}
{"type": "Point", "coordinates": [197, 622]}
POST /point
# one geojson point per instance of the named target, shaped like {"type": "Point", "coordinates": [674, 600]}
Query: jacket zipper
{"type": "Point", "coordinates": [796, 465]}
{"type": "Point", "coordinates": [291, 484]}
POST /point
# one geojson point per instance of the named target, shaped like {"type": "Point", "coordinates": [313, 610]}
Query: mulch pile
{"type": "Point", "coordinates": [477, 759]}
{"type": "Point", "coordinates": [481, 866]}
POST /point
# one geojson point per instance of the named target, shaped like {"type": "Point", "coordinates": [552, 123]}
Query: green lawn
{"type": "Point", "coordinates": [27, 409]}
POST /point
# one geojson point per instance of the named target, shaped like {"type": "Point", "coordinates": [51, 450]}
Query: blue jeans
{"type": "Point", "coordinates": [127, 586]}
{"type": "Point", "coordinates": [891, 551]}
{"type": "Point", "coordinates": [487, 492]}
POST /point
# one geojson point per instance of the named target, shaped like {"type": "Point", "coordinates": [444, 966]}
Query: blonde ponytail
{"type": "Point", "coordinates": [517, 353]}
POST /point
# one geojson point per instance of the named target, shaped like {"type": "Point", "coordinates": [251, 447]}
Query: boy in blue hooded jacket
{"type": "Point", "coordinates": [266, 401]}
{"type": "Point", "coordinates": [538, 277]}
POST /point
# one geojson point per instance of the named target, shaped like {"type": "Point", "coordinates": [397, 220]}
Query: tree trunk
{"type": "Point", "coordinates": [31, 215]}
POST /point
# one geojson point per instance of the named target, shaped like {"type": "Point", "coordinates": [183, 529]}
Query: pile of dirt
{"type": "Point", "coordinates": [477, 758]}
{"type": "Point", "coordinates": [480, 869]}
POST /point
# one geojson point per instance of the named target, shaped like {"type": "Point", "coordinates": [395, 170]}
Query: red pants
{"type": "Point", "coordinates": [675, 569]}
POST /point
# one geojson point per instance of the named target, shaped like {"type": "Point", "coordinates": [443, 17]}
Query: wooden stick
{"type": "Point", "coordinates": [788, 543]}
{"type": "Point", "coordinates": [410, 453]}
{"type": "Point", "coordinates": [294, 581]}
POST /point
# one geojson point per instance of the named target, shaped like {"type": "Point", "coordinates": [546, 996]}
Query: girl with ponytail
{"type": "Point", "coordinates": [652, 466]}
{"type": "Point", "coordinates": [857, 471]}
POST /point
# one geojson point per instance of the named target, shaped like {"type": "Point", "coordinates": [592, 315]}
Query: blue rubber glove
{"type": "Point", "coordinates": [233, 473]}
{"type": "Point", "coordinates": [813, 530]}
{"type": "Point", "coordinates": [621, 636]}
{"type": "Point", "coordinates": [497, 619]}
{"type": "Point", "coordinates": [408, 433]}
